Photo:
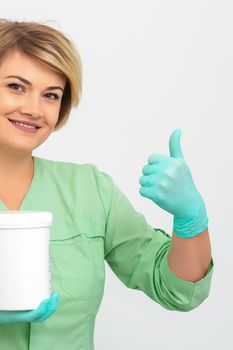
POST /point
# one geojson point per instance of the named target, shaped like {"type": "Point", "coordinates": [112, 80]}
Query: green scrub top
{"type": "Point", "coordinates": [94, 222]}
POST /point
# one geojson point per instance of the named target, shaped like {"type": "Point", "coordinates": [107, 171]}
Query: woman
{"type": "Point", "coordinates": [40, 81]}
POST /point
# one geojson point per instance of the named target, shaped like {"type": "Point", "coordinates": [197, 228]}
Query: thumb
{"type": "Point", "coordinates": [174, 144]}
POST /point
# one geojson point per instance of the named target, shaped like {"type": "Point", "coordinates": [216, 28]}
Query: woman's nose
{"type": "Point", "coordinates": [32, 107]}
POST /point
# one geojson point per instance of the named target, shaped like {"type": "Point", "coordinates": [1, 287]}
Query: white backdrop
{"type": "Point", "coordinates": [149, 67]}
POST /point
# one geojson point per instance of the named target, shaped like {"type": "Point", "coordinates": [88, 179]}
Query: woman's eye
{"type": "Point", "coordinates": [15, 86]}
{"type": "Point", "coordinates": [52, 96]}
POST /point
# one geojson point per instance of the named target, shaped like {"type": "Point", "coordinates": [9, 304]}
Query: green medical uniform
{"type": "Point", "coordinates": [94, 222]}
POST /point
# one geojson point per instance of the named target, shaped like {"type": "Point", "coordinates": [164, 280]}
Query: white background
{"type": "Point", "coordinates": [149, 67]}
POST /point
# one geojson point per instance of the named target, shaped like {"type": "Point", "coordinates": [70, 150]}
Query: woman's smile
{"type": "Point", "coordinates": [23, 127]}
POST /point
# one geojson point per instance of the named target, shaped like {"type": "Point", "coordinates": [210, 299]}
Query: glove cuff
{"type": "Point", "coordinates": [190, 228]}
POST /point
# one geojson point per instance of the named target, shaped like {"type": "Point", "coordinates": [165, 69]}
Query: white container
{"type": "Point", "coordinates": [25, 275]}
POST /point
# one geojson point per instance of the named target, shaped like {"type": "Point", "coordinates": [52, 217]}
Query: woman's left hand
{"type": "Point", "coordinates": [168, 182]}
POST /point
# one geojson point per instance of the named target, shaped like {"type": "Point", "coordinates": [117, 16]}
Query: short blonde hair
{"type": "Point", "coordinates": [52, 48]}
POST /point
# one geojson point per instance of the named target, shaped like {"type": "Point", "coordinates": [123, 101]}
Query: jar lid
{"type": "Point", "coordinates": [25, 219]}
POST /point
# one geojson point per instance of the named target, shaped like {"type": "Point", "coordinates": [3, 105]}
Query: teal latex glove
{"type": "Point", "coordinates": [46, 308]}
{"type": "Point", "coordinates": [168, 182]}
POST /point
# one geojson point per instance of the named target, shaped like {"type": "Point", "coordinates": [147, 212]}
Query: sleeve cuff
{"type": "Point", "coordinates": [187, 294]}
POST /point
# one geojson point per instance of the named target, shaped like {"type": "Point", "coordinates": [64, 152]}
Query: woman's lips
{"type": "Point", "coordinates": [24, 128]}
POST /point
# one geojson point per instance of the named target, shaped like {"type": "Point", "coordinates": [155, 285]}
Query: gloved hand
{"type": "Point", "coordinates": [168, 182]}
{"type": "Point", "coordinates": [46, 308]}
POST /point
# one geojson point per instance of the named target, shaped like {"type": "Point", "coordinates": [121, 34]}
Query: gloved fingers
{"type": "Point", "coordinates": [51, 308]}
{"type": "Point", "coordinates": [10, 316]}
{"type": "Point", "coordinates": [150, 168]}
{"type": "Point", "coordinates": [148, 180]}
{"type": "Point", "coordinates": [174, 144]}
{"type": "Point", "coordinates": [148, 192]}
{"type": "Point", "coordinates": [155, 193]}
{"type": "Point", "coordinates": [45, 309]}
{"type": "Point", "coordinates": [32, 315]}
{"type": "Point", "coordinates": [16, 316]}
{"type": "Point", "coordinates": [156, 158]}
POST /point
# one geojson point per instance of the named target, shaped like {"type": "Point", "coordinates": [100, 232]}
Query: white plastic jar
{"type": "Point", "coordinates": [25, 274]}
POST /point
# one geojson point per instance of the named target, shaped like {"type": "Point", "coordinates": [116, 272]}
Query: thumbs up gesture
{"type": "Point", "coordinates": [168, 182]}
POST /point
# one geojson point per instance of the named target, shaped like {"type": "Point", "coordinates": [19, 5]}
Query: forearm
{"type": "Point", "coordinates": [189, 258]}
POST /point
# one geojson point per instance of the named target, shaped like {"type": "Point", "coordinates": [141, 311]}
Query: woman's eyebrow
{"type": "Point", "coordinates": [27, 82]}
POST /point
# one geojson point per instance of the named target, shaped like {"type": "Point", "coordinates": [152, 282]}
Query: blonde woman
{"type": "Point", "coordinates": [40, 81]}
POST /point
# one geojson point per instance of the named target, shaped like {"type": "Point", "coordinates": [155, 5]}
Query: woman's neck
{"type": "Point", "coordinates": [15, 169]}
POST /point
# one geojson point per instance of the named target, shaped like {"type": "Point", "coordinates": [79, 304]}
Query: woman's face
{"type": "Point", "coordinates": [29, 92]}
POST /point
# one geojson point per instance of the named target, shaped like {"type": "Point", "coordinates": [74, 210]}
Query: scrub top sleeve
{"type": "Point", "coordinates": [137, 253]}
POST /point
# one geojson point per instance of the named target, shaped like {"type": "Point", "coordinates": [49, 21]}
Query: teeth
{"type": "Point", "coordinates": [25, 126]}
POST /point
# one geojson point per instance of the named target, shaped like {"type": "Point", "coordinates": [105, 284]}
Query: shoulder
{"type": "Point", "coordinates": [83, 181]}
{"type": "Point", "coordinates": [88, 173]}
{"type": "Point", "coordinates": [55, 165]}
